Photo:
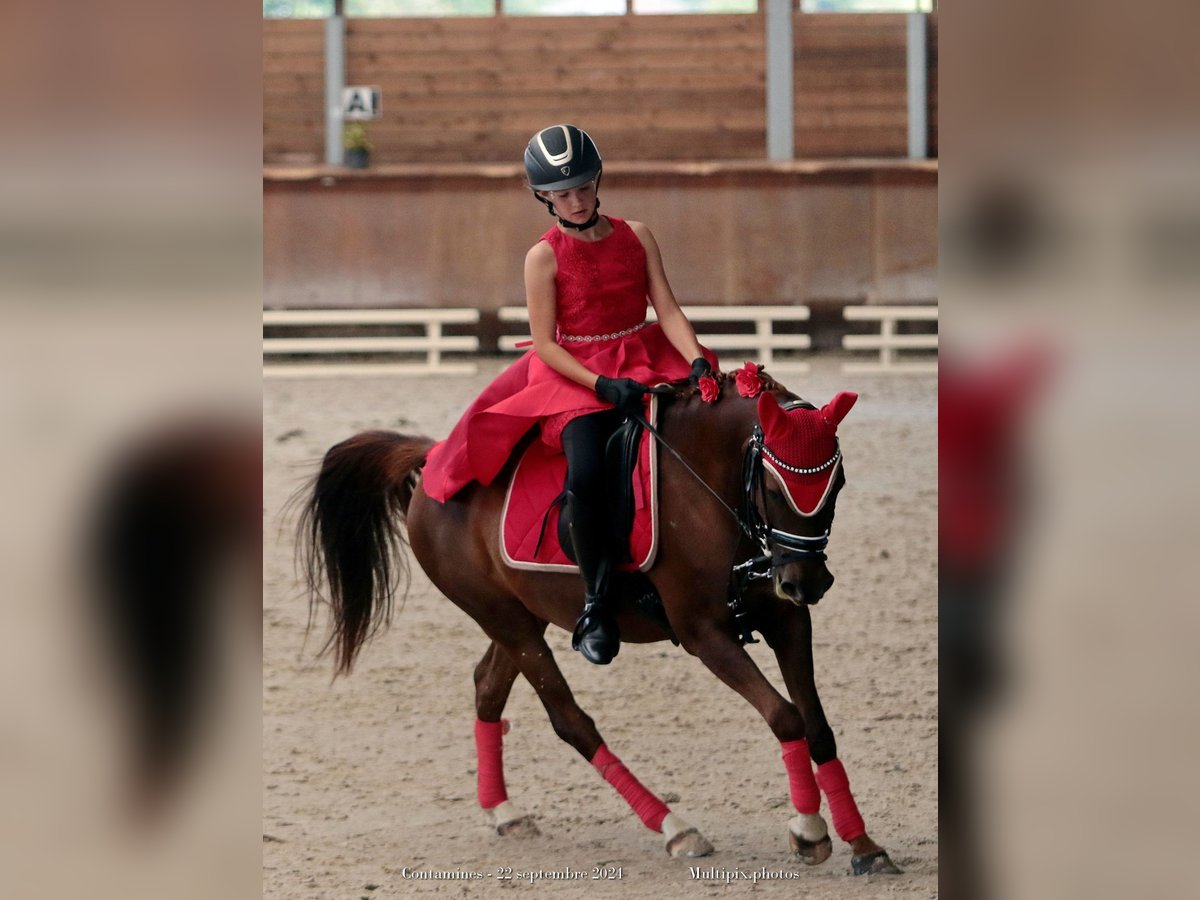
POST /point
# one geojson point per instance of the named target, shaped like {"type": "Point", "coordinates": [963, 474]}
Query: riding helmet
{"type": "Point", "coordinates": [561, 157]}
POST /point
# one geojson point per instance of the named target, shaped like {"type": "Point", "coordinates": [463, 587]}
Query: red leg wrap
{"type": "Point", "coordinates": [490, 754]}
{"type": "Point", "coordinates": [806, 796]}
{"type": "Point", "coordinates": [649, 808]}
{"type": "Point", "coordinates": [847, 821]}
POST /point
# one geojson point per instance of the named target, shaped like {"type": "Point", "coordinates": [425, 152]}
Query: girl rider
{"type": "Point", "coordinates": [587, 283]}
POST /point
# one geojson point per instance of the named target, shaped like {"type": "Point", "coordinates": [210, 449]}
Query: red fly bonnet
{"type": "Point", "coordinates": [800, 448]}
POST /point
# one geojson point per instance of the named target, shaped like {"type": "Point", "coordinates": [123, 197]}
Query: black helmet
{"type": "Point", "coordinates": [561, 157]}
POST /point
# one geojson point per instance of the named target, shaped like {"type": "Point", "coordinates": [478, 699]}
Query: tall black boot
{"type": "Point", "coordinates": [596, 634]}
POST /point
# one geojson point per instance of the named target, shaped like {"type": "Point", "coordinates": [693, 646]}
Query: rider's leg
{"type": "Point", "coordinates": [596, 634]}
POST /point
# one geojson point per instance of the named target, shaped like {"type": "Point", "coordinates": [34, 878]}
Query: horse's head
{"type": "Point", "coordinates": [801, 474]}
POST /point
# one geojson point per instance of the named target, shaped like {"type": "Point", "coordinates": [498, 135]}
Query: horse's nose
{"type": "Point", "coordinates": [792, 588]}
{"type": "Point", "coordinates": [826, 583]}
{"type": "Point", "coordinates": [789, 590]}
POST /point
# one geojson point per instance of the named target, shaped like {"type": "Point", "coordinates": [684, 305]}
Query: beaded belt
{"type": "Point", "coordinates": [589, 338]}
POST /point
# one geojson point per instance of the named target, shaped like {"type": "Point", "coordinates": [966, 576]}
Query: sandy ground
{"type": "Point", "coordinates": [372, 777]}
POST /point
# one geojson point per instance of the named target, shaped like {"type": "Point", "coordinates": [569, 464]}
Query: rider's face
{"type": "Point", "coordinates": [574, 204]}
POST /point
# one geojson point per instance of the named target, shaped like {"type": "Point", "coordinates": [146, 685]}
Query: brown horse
{"type": "Point", "coordinates": [723, 524]}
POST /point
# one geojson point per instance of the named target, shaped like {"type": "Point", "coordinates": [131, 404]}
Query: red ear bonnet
{"type": "Point", "coordinates": [800, 448]}
{"type": "Point", "coordinates": [835, 410]}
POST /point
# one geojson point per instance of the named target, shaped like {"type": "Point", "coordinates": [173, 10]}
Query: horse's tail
{"type": "Point", "coordinates": [352, 535]}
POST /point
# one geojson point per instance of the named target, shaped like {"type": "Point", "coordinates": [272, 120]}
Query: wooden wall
{"type": "Point", "coordinates": [730, 233]}
{"type": "Point", "coordinates": [656, 87]}
{"type": "Point", "coordinates": [293, 90]}
{"type": "Point", "coordinates": [851, 85]}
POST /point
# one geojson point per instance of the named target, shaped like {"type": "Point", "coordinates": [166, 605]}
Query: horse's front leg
{"type": "Point", "coordinates": [729, 661]}
{"type": "Point", "coordinates": [788, 631]}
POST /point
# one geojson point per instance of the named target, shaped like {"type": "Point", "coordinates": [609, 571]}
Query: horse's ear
{"type": "Point", "coordinates": [769, 413]}
{"type": "Point", "coordinates": [835, 410]}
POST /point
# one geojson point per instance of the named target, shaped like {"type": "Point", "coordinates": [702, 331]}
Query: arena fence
{"type": "Point", "coordinates": [348, 342]}
{"type": "Point", "coordinates": [888, 342]}
{"type": "Point", "coordinates": [392, 347]}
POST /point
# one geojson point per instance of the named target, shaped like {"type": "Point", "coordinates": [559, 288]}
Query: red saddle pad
{"type": "Point", "coordinates": [537, 482]}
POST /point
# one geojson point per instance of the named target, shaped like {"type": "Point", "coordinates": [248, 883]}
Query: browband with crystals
{"type": "Point", "coordinates": [796, 470]}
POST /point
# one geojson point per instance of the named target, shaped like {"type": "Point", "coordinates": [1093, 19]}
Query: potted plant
{"type": "Point", "coordinates": [357, 145]}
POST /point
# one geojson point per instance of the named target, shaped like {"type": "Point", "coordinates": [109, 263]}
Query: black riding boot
{"type": "Point", "coordinates": [596, 634]}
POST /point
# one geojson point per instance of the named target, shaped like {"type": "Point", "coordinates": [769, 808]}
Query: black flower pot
{"type": "Point", "coordinates": [358, 158]}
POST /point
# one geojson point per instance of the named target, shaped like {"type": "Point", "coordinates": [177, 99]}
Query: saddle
{"type": "Point", "coordinates": [533, 523]}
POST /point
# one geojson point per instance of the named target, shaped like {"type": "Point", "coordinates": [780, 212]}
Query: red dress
{"type": "Point", "coordinates": [601, 295]}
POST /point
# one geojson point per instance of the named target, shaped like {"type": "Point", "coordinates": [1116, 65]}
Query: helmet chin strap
{"type": "Point", "coordinates": [595, 217]}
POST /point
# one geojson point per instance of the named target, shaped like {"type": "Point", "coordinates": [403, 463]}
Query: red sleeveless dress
{"type": "Point", "coordinates": [602, 296]}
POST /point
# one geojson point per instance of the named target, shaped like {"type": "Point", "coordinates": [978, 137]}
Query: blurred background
{"type": "Point", "coordinates": [130, 286]}
{"type": "Point", "coordinates": [1069, 210]}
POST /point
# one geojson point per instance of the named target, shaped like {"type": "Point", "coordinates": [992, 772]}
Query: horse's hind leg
{"type": "Point", "coordinates": [573, 725]}
{"type": "Point", "coordinates": [494, 677]}
{"type": "Point", "coordinates": [789, 634]}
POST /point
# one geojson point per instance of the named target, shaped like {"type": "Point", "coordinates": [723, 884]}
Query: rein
{"type": "Point", "coordinates": [641, 420]}
{"type": "Point", "coordinates": [776, 547]}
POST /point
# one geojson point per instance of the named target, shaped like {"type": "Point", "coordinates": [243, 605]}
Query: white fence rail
{"type": "Point", "coordinates": [408, 354]}
{"type": "Point", "coordinates": [888, 343]}
{"type": "Point", "coordinates": [762, 343]}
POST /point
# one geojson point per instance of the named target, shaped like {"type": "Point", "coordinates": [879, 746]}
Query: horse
{"type": "Point", "coordinates": [735, 556]}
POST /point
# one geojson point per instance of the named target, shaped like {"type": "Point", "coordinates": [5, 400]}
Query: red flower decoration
{"type": "Point", "coordinates": [709, 389]}
{"type": "Point", "coordinates": [749, 382]}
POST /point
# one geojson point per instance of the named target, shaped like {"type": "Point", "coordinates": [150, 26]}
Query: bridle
{"type": "Point", "coordinates": [776, 548]}
{"type": "Point", "coordinates": [755, 512]}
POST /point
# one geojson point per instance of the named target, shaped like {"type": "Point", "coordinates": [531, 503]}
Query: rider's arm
{"type": "Point", "coordinates": [540, 297]}
{"type": "Point", "coordinates": [675, 324]}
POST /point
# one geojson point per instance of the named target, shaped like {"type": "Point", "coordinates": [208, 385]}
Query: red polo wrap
{"type": "Point", "coordinates": [806, 796]}
{"type": "Point", "coordinates": [847, 821]}
{"type": "Point", "coordinates": [648, 808]}
{"type": "Point", "coordinates": [489, 739]}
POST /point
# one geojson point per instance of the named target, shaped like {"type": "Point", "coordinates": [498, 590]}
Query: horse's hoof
{"type": "Point", "coordinates": [811, 853]}
{"type": "Point", "coordinates": [690, 844]}
{"type": "Point", "coordinates": [509, 820]}
{"type": "Point", "coordinates": [876, 863]}
{"type": "Point", "coordinates": [808, 836]}
{"type": "Point", "coordinates": [522, 827]}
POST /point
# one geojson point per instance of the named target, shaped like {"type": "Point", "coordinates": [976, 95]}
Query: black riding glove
{"type": "Point", "coordinates": [700, 368]}
{"type": "Point", "coordinates": [623, 393]}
